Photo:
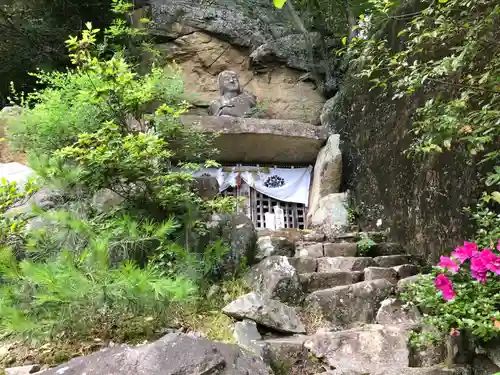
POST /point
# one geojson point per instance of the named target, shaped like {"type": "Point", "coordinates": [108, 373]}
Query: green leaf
{"type": "Point", "coordinates": [496, 196]}
{"type": "Point", "coordinates": [279, 3]}
{"type": "Point", "coordinates": [344, 40]}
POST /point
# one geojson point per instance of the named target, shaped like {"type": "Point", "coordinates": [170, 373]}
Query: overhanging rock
{"type": "Point", "coordinates": [251, 140]}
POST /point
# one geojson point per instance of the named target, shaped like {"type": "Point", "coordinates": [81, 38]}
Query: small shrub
{"type": "Point", "coordinates": [364, 245]}
{"type": "Point", "coordinates": [48, 299]}
{"type": "Point", "coordinates": [462, 292]}
{"type": "Point", "coordinates": [12, 226]}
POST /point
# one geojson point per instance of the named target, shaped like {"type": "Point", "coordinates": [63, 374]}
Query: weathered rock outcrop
{"type": "Point", "coordinates": [251, 38]}
{"type": "Point", "coordinates": [420, 200]}
{"type": "Point", "coordinates": [174, 354]}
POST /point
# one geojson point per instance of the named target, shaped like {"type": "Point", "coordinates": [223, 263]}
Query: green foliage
{"type": "Point", "coordinates": [48, 299]}
{"type": "Point", "coordinates": [364, 245]}
{"type": "Point", "coordinates": [421, 340]}
{"type": "Point", "coordinates": [474, 308]}
{"type": "Point", "coordinates": [487, 223]}
{"type": "Point", "coordinates": [12, 226]}
{"type": "Point", "coordinates": [448, 48]}
{"type": "Point", "coordinates": [32, 34]}
{"type": "Point", "coordinates": [130, 269]}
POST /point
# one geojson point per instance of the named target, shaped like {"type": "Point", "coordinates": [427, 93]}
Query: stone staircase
{"type": "Point", "coordinates": [343, 306]}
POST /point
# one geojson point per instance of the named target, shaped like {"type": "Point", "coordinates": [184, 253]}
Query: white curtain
{"type": "Point", "coordinates": [284, 184]}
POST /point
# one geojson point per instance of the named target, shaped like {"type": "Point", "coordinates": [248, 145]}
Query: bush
{"type": "Point", "coordinates": [463, 293]}
{"type": "Point", "coordinates": [132, 269]}
{"type": "Point", "coordinates": [48, 299]}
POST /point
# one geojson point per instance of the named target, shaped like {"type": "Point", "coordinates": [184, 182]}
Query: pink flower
{"type": "Point", "coordinates": [444, 284]}
{"type": "Point", "coordinates": [478, 268]}
{"type": "Point", "coordinates": [465, 252]}
{"type": "Point", "coordinates": [448, 263]}
{"type": "Point", "coordinates": [491, 261]}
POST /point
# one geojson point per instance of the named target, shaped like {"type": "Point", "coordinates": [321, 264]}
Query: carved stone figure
{"type": "Point", "coordinates": [233, 101]}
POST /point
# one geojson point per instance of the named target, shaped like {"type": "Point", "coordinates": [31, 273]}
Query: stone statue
{"type": "Point", "coordinates": [233, 101]}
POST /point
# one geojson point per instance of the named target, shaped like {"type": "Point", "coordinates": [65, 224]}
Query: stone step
{"type": "Point", "coordinates": [350, 304]}
{"type": "Point", "coordinates": [325, 249]}
{"type": "Point", "coordinates": [330, 264]}
{"type": "Point", "coordinates": [314, 281]}
{"type": "Point", "coordinates": [374, 273]}
{"type": "Point", "coordinates": [392, 260]}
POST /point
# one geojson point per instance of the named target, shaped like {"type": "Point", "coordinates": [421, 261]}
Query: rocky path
{"type": "Point", "coordinates": [318, 307]}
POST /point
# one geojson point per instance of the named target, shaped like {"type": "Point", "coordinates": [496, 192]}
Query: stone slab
{"type": "Point", "coordinates": [251, 140]}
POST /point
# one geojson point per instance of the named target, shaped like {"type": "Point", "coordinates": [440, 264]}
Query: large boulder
{"type": "Point", "coordinates": [173, 354]}
{"type": "Point", "coordinates": [262, 37]}
{"type": "Point", "coordinates": [434, 370]}
{"type": "Point", "coordinates": [271, 245]}
{"type": "Point", "coordinates": [238, 232]}
{"type": "Point", "coordinates": [362, 349]}
{"type": "Point", "coordinates": [395, 311]}
{"type": "Point", "coordinates": [267, 312]}
{"type": "Point", "coordinates": [345, 305]}
{"type": "Point", "coordinates": [327, 173]}
{"type": "Point", "coordinates": [331, 216]}
{"type": "Point", "coordinates": [275, 277]}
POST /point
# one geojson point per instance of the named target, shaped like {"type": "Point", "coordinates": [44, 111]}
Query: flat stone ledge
{"type": "Point", "coordinates": [252, 140]}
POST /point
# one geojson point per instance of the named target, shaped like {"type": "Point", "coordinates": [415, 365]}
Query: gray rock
{"type": "Point", "coordinates": [403, 283]}
{"type": "Point", "coordinates": [105, 200]}
{"type": "Point", "coordinates": [493, 352]}
{"type": "Point", "coordinates": [16, 172]}
{"type": "Point", "coordinates": [327, 173]}
{"type": "Point", "coordinates": [344, 264]}
{"type": "Point", "coordinates": [304, 264]}
{"type": "Point", "coordinates": [344, 305]}
{"type": "Point", "coordinates": [373, 273]}
{"type": "Point", "coordinates": [362, 349]}
{"type": "Point", "coordinates": [310, 249]}
{"type": "Point", "coordinates": [342, 249]}
{"type": "Point", "coordinates": [315, 281]}
{"type": "Point", "coordinates": [428, 354]}
{"type": "Point", "coordinates": [267, 312]}
{"type": "Point", "coordinates": [239, 232]}
{"type": "Point", "coordinates": [387, 248]}
{"type": "Point", "coordinates": [22, 370]}
{"type": "Point", "coordinates": [392, 260]}
{"type": "Point", "coordinates": [314, 237]}
{"type": "Point", "coordinates": [482, 365]}
{"type": "Point", "coordinates": [406, 270]}
{"type": "Point", "coordinates": [173, 354]}
{"type": "Point", "coordinates": [246, 335]}
{"type": "Point", "coordinates": [331, 216]}
{"type": "Point", "coordinates": [207, 186]}
{"type": "Point", "coordinates": [45, 199]}
{"type": "Point", "coordinates": [269, 245]}
{"type": "Point", "coordinates": [289, 355]}
{"type": "Point", "coordinates": [395, 311]}
{"type": "Point", "coordinates": [275, 277]}
{"type": "Point", "coordinates": [436, 370]}
{"type": "Point", "coordinates": [251, 23]}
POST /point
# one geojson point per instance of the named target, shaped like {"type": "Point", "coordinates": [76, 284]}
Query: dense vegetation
{"type": "Point", "coordinates": [447, 52]}
{"type": "Point", "coordinates": [32, 35]}
{"type": "Point", "coordinates": [138, 263]}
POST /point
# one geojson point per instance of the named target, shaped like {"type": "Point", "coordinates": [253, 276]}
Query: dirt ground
{"type": "Point", "coordinates": [6, 154]}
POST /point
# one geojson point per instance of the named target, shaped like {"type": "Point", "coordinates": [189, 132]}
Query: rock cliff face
{"type": "Point", "coordinates": [421, 201]}
{"type": "Point", "coordinates": [253, 39]}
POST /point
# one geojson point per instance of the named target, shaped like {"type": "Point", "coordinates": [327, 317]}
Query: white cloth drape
{"type": "Point", "coordinates": [292, 183]}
